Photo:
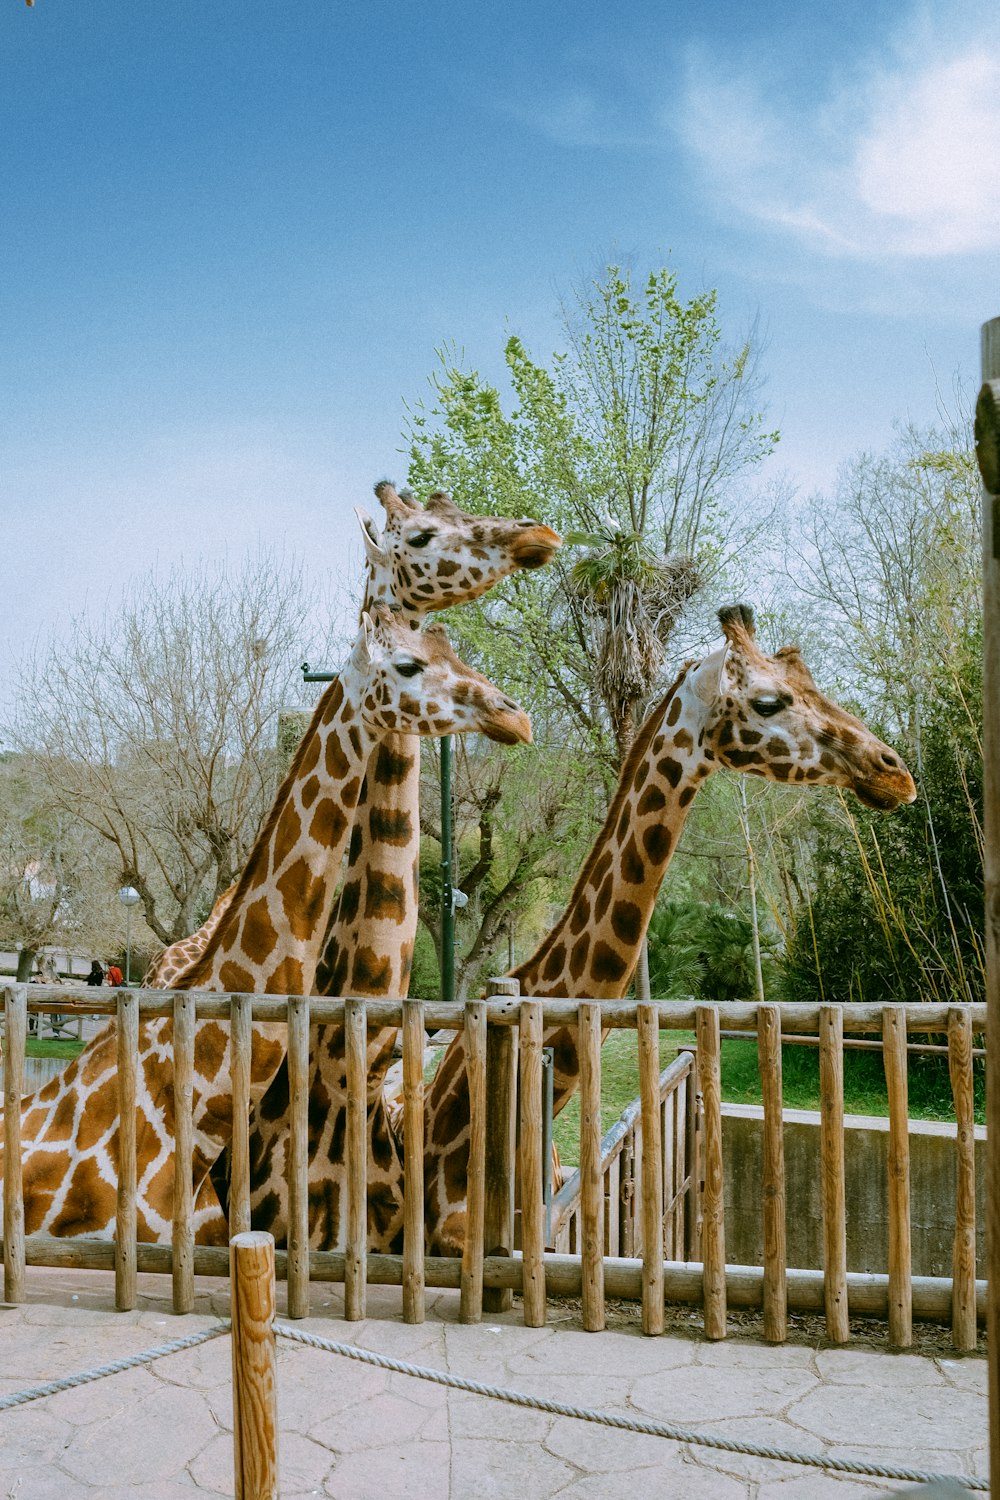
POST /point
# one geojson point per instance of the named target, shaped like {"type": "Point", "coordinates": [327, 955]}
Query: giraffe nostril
{"type": "Point", "coordinates": [890, 760]}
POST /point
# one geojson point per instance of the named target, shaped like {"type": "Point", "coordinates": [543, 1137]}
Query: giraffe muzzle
{"type": "Point", "coordinates": [536, 546]}
{"type": "Point", "coordinates": [507, 724]}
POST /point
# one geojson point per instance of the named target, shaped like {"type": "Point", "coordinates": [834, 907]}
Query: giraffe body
{"type": "Point", "coordinates": [738, 710]}
{"type": "Point", "coordinates": [268, 940]}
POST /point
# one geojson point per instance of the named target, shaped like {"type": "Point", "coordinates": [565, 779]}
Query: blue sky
{"type": "Point", "coordinates": [234, 234]}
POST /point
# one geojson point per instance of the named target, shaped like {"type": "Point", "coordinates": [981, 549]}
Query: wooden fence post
{"type": "Point", "coordinates": [240, 1044]}
{"type": "Point", "coordinates": [963, 1266]}
{"type": "Point", "coordinates": [900, 1263]}
{"type": "Point", "coordinates": [255, 1401]}
{"type": "Point", "coordinates": [531, 1165]}
{"type": "Point", "coordinates": [988, 453]}
{"type": "Point", "coordinates": [501, 1125]}
{"type": "Point", "coordinates": [15, 1037]}
{"type": "Point", "coordinates": [648, 1037]}
{"type": "Point", "coordinates": [356, 1144]}
{"type": "Point", "coordinates": [713, 1226]}
{"type": "Point", "coordinates": [773, 1185]}
{"type": "Point", "coordinates": [471, 1305]}
{"type": "Point", "coordinates": [414, 1042]}
{"type": "Point", "coordinates": [297, 1290]}
{"type": "Point", "coordinates": [125, 1215]}
{"type": "Point", "coordinates": [182, 1269]}
{"type": "Point", "coordinates": [831, 1126]}
{"type": "Point", "coordinates": [591, 1186]}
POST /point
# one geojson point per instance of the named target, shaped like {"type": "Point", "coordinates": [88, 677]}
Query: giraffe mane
{"type": "Point", "coordinates": [637, 752]}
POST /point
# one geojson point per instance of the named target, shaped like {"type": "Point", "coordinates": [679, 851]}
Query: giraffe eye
{"type": "Point", "coordinates": [767, 707]}
{"type": "Point", "coordinates": [409, 668]}
{"type": "Point", "coordinates": [421, 539]}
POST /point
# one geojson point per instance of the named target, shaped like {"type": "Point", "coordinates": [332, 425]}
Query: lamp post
{"type": "Point", "coordinates": [129, 897]}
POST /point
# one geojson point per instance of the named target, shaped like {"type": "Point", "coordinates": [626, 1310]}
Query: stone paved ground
{"type": "Point", "coordinates": [350, 1432]}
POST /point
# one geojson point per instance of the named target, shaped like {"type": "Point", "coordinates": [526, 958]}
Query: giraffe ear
{"type": "Point", "coordinates": [374, 551]}
{"type": "Point", "coordinates": [365, 643]}
{"type": "Point", "coordinates": [709, 676]}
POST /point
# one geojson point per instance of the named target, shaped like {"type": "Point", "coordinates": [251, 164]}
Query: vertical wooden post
{"type": "Point", "coordinates": [356, 1143]}
{"type": "Point", "coordinates": [900, 1263]}
{"type": "Point", "coordinates": [414, 1041]}
{"type": "Point", "coordinates": [15, 1037]}
{"type": "Point", "coordinates": [591, 1187]}
{"type": "Point", "coordinates": [298, 1156]}
{"type": "Point", "coordinates": [693, 1131]}
{"type": "Point", "coordinates": [182, 1235]}
{"type": "Point", "coordinates": [988, 449]}
{"type": "Point", "coordinates": [241, 1045]}
{"type": "Point", "coordinates": [531, 1162]}
{"type": "Point", "coordinates": [773, 1185]}
{"type": "Point", "coordinates": [255, 1386]}
{"type": "Point", "coordinates": [648, 1036]}
{"type": "Point", "coordinates": [831, 1130]}
{"type": "Point", "coordinates": [471, 1302]}
{"type": "Point", "coordinates": [713, 1224]}
{"type": "Point", "coordinates": [963, 1286]}
{"type": "Point", "coordinates": [125, 1216]}
{"type": "Point", "coordinates": [501, 1125]}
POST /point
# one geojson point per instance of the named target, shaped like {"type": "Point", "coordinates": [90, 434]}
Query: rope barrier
{"type": "Point", "coordinates": [115, 1367]}
{"type": "Point", "coordinates": [626, 1424]}
{"type": "Point", "coordinates": [500, 1393]}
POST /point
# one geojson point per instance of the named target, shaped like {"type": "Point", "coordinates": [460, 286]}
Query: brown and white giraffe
{"type": "Point", "coordinates": [426, 559]}
{"type": "Point", "coordinates": [172, 962]}
{"type": "Point", "coordinates": [738, 710]}
{"type": "Point", "coordinates": [268, 941]}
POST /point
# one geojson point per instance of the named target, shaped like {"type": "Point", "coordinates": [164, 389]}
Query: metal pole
{"type": "Point", "coordinates": [548, 1097]}
{"type": "Point", "coordinates": [128, 945]}
{"type": "Point", "coordinates": [447, 891]}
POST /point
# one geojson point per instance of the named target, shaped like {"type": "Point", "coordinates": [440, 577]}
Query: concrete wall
{"type": "Point", "coordinates": [932, 1190]}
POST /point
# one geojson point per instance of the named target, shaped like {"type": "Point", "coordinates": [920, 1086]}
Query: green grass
{"type": "Point", "coordinates": [53, 1046]}
{"type": "Point", "coordinates": [864, 1083]}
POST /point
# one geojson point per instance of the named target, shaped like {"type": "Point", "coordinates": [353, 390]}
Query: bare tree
{"type": "Point", "coordinates": [156, 727]}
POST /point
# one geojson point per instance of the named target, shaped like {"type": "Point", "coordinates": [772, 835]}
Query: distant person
{"type": "Point", "coordinates": [96, 975]}
{"type": "Point", "coordinates": [114, 976]}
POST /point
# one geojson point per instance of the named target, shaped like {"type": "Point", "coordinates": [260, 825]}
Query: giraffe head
{"type": "Point", "coordinates": [766, 716]}
{"type": "Point", "coordinates": [431, 557]}
{"type": "Point", "coordinates": [417, 685]}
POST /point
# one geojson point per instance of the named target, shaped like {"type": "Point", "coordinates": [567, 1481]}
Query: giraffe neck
{"type": "Point", "coordinates": [593, 948]}
{"type": "Point", "coordinates": [270, 936]}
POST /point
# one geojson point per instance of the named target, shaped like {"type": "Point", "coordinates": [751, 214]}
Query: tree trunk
{"type": "Point", "coordinates": [25, 963]}
{"type": "Point", "coordinates": [642, 973]}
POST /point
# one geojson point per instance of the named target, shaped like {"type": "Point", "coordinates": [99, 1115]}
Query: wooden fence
{"type": "Point", "coordinates": [503, 1036]}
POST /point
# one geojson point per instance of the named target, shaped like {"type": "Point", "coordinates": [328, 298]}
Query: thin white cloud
{"type": "Point", "coordinates": [904, 161]}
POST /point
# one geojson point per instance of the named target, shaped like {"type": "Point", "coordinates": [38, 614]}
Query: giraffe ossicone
{"type": "Point", "coordinates": [738, 709]}
{"type": "Point", "coordinates": [268, 939]}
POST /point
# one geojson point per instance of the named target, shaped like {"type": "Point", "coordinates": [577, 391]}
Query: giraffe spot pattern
{"type": "Point", "coordinates": [385, 896]}
{"type": "Point", "coordinates": [607, 965]}
{"type": "Point", "coordinates": [302, 895]}
{"type": "Point", "coordinates": [350, 901]}
{"type": "Point", "coordinates": [89, 1204]}
{"type": "Point", "coordinates": [370, 972]}
{"type": "Point", "coordinates": [328, 824]}
{"type": "Point", "coordinates": [555, 961]}
{"type": "Point", "coordinates": [670, 770]}
{"type": "Point", "coordinates": [626, 922]}
{"type": "Point", "coordinates": [580, 915]}
{"type": "Point", "coordinates": [259, 938]}
{"type": "Point", "coordinates": [391, 767]}
{"type": "Point", "coordinates": [633, 868]}
{"type": "Point", "coordinates": [310, 791]}
{"type": "Point", "coordinates": [338, 765]}
{"type": "Point", "coordinates": [651, 801]}
{"type": "Point", "coordinates": [656, 841]}
{"type": "Point", "coordinates": [674, 711]}
{"type": "Point", "coordinates": [390, 825]}
{"type": "Point", "coordinates": [287, 979]}
{"type": "Point", "coordinates": [578, 957]}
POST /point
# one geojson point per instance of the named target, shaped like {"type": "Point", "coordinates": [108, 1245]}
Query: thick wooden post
{"type": "Point", "coordinates": [831, 1131]}
{"type": "Point", "coordinates": [298, 1156]}
{"type": "Point", "coordinates": [963, 1293]}
{"type": "Point", "coordinates": [773, 1185]}
{"type": "Point", "coordinates": [900, 1263]}
{"type": "Point", "coordinates": [414, 1041]}
{"type": "Point", "coordinates": [356, 1246]}
{"type": "Point", "coordinates": [241, 1044]}
{"type": "Point", "coordinates": [713, 1225]}
{"type": "Point", "coordinates": [648, 1035]}
{"type": "Point", "coordinates": [501, 1126]}
{"type": "Point", "coordinates": [988, 453]}
{"type": "Point", "coordinates": [182, 1268]}
{"type": "Point", "coordinates": [255, 1387]}
{"type": "Point", "coordinates": [125, 1216]}
{"type": "Point", "coordinates": [15, 1037]}
{"type": "Point", "coordinates": [471, 1302]}
{"type": "Point", "coordinates": [531, 1163]}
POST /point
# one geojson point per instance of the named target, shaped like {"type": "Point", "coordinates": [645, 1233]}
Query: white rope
{"type": "Point", "coordinates": [626, 1424]}
{"type": "Point", "coordinates": [116, 1366]}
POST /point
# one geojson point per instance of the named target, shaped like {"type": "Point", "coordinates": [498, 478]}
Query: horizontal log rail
{"type": "Point", "coordinates": [858, 1044]}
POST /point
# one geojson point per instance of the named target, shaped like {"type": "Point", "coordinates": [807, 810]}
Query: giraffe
{"type": "Point", "coordinates": [268, 940]}
{"type": "Point", "coordinates": [427, 559]}
{"type": "Point", "coordinates": [166, 967]}
{"type": "Point", "coordinates": [738, 710]}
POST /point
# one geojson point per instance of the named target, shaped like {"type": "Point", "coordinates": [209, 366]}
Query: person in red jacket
{"type": "Point", "coordinates": [114, 975]}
